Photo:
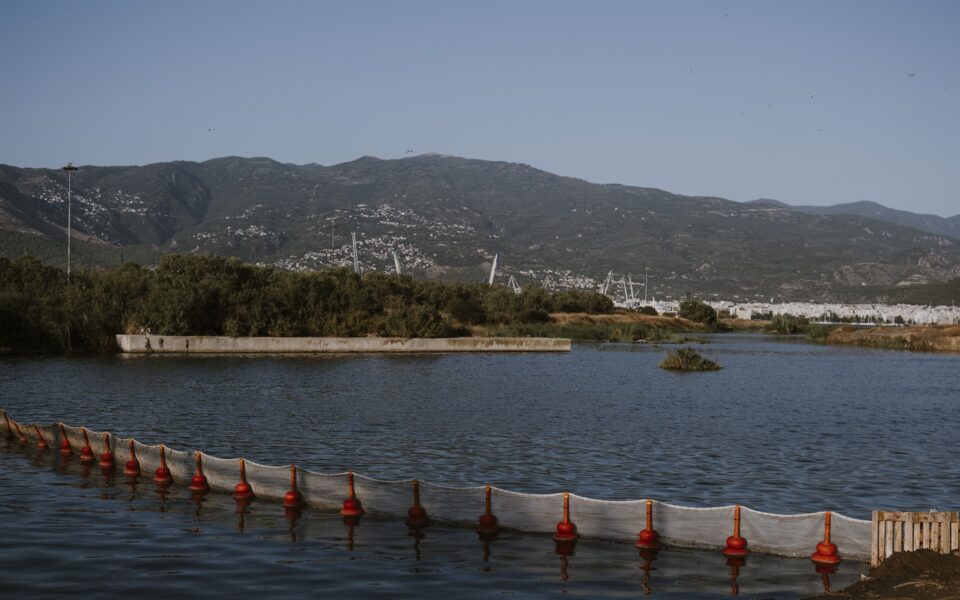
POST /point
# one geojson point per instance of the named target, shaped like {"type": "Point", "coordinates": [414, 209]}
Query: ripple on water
{"type": "Point", "coordinates": [784, 427]}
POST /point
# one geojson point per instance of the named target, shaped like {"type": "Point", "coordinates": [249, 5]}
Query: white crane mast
{"type": "Point", "coordinates": [493, 268]}
{"type": "Point", "coordinates": [606, 283]}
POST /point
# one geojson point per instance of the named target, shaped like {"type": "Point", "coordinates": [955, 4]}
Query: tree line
{"type": "Point", "coordinates": [40, 311]}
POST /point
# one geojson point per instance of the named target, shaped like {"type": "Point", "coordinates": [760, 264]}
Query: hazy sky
{"type": "Point", "coordinates": [805, 102]}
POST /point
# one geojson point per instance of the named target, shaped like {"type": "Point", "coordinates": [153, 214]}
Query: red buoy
{"type": "Point", "coordinates": [242, 491]}
{"type": "Point", "coordinates": [736, 545]}
{"type": "Point", "coordinates": [23, 438]}
{"type": "Point", "coordinates": [65, 449]}
{"type": "Point", "coordinates": [162, 475]}
{"type": "Point", "coordinates": [566, 530]}
{"type": "Point", "coordinates": [106, 459]}
{"type": "Point", "coordinates": [41, 442]}
{"type": "Point", "coordinates": [351, 506]}
{"type": "Point", "coordinates": [416, 514]}
{"type": "Point", "coordinates": [86, 453]}
{"type": "Point", "coordinates": [198, 483]}
{"type": "Point", "coordinates": [487, 523]}
{"type": "Point", "coordinates": [648, 538]}
{"type": "Point", "coordinates": [293, 499]}
{"type": "Point", "coordinates": [826, 552]}
{"type": "Point", "coordinates": [132, 468]}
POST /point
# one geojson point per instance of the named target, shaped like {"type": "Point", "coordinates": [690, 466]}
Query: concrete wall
{"type": "Point", "coordinates": [173, 344]}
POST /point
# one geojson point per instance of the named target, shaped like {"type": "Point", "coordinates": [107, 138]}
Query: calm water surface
{"type": "Point", "coordinates": [785, 427]}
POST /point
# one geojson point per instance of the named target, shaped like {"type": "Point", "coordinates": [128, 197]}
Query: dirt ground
{"type": "Point", "coordinates": [919, 575]}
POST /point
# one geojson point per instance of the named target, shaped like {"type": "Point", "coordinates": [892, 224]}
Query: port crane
{"type": "Point", "coordinates": [511, 283]}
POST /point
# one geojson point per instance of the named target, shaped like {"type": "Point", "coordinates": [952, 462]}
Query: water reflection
{"type": "Point", "coordinates": [647, 555]}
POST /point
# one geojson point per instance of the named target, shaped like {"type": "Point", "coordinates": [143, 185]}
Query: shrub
{"type": "Point", "coordinates": [686, 359]}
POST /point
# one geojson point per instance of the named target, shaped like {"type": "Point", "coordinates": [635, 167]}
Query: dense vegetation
{"type": "Point", "coordinates": [788, 324]}
{"type": "Point", "coordinates": [699, 311]}
{"type": "Point", "coordinates": [687, 359]}
{"type": "Point", "coordinates": [596, 332]}
{"type": "Point", "coordinates": [207, 295]}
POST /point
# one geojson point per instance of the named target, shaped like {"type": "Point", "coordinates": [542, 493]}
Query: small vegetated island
{"type": "Point", "coordinates": [687, 359]}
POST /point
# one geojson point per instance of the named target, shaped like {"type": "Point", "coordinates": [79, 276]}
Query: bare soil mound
{"type": "Point", "coordinates": [919, 575]}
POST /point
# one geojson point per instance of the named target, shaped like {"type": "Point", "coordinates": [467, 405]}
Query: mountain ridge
{"type": "Point", "coordinates": [447, 216]}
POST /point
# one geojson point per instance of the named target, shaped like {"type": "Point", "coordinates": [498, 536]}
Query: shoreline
{"type": "Point", "coordinates": [917, 338]}
{"type": "Point", "coordinates": [189, 344]}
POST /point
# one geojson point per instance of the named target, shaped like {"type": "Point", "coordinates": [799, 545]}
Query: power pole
{"type": "Point", "coordinates": [646, 275]}
{"type": "Point", "coordinates": [356, 261]}
{"type": "Point", "coordinates": [69, 169]}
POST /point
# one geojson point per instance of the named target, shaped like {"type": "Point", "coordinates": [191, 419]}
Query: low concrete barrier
{"type": "Point", "coordinates": [189, 344]}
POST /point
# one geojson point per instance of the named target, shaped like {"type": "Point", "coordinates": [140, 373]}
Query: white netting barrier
{"type": "Point", "coordinates": [785, 535]}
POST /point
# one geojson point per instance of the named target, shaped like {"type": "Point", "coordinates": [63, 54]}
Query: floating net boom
{"type": "Point", "coordinates": [619, 520]}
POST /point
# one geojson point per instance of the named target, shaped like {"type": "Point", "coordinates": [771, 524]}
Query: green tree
{"type": "Point", "coordinates": [788, 324]}
{"type": "Point", "coordinates": [698, 311]}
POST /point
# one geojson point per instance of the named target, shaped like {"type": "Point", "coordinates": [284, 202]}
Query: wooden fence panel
{"type": "Point", "coordinates": [908, 531]}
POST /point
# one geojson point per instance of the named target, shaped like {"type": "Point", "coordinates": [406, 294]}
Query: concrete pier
{"type": "Point", "coordinates": [189, 344]}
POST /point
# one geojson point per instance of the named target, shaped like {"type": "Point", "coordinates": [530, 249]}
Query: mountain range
{"type": "Point", "coordinates": [948, 226]}
{"type": "Point", "coordinates": [446, 217]}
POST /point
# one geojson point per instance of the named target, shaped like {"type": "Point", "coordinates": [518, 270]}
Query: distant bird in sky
{"type": "Point", "coordinates": [811, 96]}
{"type": "Point", "coordinates": [911, 74]}
{"type": "Point", "coordinates": [208, 129]}
{"type": "Point", "coordinates": [409, 151]}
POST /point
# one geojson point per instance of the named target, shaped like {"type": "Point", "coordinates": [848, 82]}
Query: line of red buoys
{"type": "Point", "coordinates": [826, 554]}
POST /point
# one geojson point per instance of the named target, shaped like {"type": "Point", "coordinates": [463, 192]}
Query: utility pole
{"type": "Point", "coordinates": [69, 169]}
{"type": "Point", "coordinates": [646, 275]}
{"type": "Point", "coordinates": [356, 261]}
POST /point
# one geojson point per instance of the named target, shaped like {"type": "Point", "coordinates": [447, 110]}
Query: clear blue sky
{"type": "Point", "coordinates": [805, 102]}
